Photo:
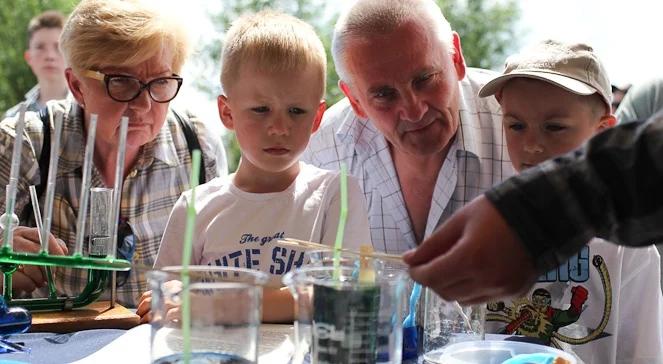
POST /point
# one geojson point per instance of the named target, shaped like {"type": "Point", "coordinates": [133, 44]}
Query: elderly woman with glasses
{"type": "Point", "coordinates": [124, 59]}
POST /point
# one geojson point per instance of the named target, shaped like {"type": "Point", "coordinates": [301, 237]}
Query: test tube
{"type": "Point", "coordinates": [52, 291]}
{"type": "Point", "coordinates": [119, 174]}
{"type": "Point", "coordinates": [101, 200]}
{"type": "Point", "coordinates": [117, 198]}
{"type": "Point", "coordinates": [85, 185]}
{"type": "Point", "coordinates": [50, 184]}
{"type": "Point", "coordinates": [9, 218]}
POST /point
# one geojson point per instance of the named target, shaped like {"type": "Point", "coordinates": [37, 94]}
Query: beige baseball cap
{"type": "Point", "coordinates": [573, 67]}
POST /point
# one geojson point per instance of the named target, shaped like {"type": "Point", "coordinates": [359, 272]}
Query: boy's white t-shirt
{"type": "Point", "coordinates": [621, 315]}
{"type": "Point", "coordinates": [241, 229]}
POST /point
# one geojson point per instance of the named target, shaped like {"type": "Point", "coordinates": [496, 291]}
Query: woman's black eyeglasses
{"type": "Point", "coordinates": [123, 88]}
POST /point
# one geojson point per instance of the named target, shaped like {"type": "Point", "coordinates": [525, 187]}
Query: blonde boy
{"type": "Point", "coordinates": [273, 78]}
{"type": "Point", "coordinates": [604, 304]}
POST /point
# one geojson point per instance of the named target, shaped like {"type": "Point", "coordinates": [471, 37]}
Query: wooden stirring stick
{"type": "Point", "coordinates": [312, 245]}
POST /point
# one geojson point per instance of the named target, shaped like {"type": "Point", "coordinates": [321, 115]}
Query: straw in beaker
{"type": "Point", "coordinates": [338, 244]}
{"type": "Point", "coordinates": [187, 250]}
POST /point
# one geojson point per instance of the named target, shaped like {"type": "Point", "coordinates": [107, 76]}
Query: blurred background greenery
{"type": "Point", "coordinates": [15, 76]}
{"type": "Point", "coordinates": [486, 28]}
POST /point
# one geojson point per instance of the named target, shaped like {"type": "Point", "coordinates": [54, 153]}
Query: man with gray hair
{"type": "Point", "coordinates": [412, 128]}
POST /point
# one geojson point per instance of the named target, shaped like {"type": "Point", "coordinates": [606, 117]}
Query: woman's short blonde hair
{"type": "Point", "coordinates": [102, 33]}
{"type": "Point", "coordinates": [271, 41]}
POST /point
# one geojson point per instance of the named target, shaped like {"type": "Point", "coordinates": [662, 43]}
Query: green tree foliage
{"type": "Point", "coordinates": [15, 75]}
{"type": "Point", "coordinates": [486, 28]}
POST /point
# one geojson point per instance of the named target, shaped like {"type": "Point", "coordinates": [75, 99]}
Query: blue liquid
{"type": "Point", "coordinates": [203, 358]}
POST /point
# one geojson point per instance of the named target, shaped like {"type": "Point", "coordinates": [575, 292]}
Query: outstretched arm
{"type": "Point", "coordinates": [473, 257]}
{"type": "Point", "coordinates": [610, 189]}
{"type": "Point", "coordinates": [496, 245]}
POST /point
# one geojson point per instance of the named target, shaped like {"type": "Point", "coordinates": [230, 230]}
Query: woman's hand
{"type": "Point", "coordinates": [27, 278]}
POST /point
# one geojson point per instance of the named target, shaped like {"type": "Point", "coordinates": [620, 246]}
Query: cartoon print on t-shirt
{"type": "Point", "coordinates": [536, 317]}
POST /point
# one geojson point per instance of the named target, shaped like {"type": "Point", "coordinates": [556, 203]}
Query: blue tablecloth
{"type": "Point", "coordinates": [126, 346]}
{"type": "Point", "coordinates": [51, 348]}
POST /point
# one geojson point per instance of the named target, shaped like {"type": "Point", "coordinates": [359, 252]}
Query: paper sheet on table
{"type": "Point", "coordinates": [134, 346]}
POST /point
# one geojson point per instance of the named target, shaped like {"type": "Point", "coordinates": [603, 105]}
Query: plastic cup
{"type": "Point", "coordinates": [226, 307]}
{"type": "Point", "coordinates": [495, 352]}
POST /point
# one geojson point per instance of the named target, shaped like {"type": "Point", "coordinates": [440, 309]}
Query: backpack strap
{"type": "Point", "coordinates": [45, 156]}
{"type": "Point", "coordinates": [44, 159]}
{"type": "Point", "coordinates": [192, 143]}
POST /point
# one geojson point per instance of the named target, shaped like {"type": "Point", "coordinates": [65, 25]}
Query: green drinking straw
{"type": "Point", "coordinates": [186, 256]}
{"type": "Point", "coordinates": [338, 245]}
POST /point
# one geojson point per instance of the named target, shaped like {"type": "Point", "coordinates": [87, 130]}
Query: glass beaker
{"type": "Point", "coordinates": [448, 322]}
{"type": "Point", "coordinates": [226, 307]}
{"type": "Point", "coordinates": [345, 320]}
{"type": "Point", "coordinates": [101, 200]}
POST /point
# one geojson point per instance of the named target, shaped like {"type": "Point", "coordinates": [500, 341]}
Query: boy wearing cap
{"type": "Point", "coordinates": [604, 304]}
